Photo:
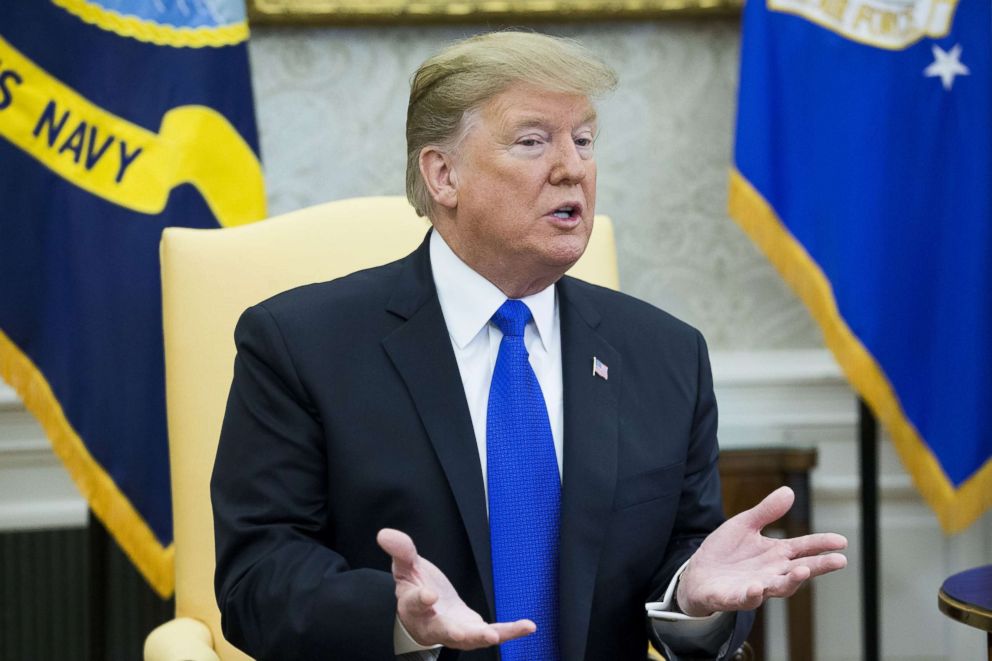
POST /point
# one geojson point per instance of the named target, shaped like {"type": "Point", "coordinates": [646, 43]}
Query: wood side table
{"type": "Point", "coordinates": [747, 476]}
{"type": "Point", "coordinates": [967, 597]}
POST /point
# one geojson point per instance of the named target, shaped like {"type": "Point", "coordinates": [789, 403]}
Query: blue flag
{"type": "Point", "coordinates": [863, 169]}
{"type": "Point", "coordinates": [117, 118]}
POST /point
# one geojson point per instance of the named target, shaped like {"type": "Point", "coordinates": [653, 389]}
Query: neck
{"type": "Point", "coordinates": [522, 289]}
{"type": "Point", "coordinates": [511, 279]}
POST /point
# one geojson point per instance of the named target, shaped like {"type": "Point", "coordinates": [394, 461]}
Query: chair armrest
{"type": "Point", "coordinates": [181, 639]}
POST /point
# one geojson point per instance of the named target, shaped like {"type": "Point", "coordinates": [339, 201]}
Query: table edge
{"type": "Point", "coordinates": [964, 613]}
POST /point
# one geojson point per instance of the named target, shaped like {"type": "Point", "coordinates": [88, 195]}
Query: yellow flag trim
{"type": "Point", "coordinates": [957, 508]}
{"type": "Point", "coordinates": [151, 32]}
{"type": "Point", "coordinates": [110, 505]}
{"type": "Point", "coordinates": [122, 162]}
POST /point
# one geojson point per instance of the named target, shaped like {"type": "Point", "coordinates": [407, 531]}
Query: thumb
{"type": "Point", "coordinates": [772, 508]}
{"type": "Point", "coordinates": [400, 547]}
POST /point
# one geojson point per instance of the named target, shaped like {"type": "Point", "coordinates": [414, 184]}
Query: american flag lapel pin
{"type": "Point", "coordinates": [600, 369]}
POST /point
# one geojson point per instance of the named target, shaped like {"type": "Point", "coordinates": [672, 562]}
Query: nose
{"type": "Point", "coordinates": [568, 167]}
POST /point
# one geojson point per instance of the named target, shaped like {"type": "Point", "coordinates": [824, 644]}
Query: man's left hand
{"type": "Point", "coordinates": [737, 568]}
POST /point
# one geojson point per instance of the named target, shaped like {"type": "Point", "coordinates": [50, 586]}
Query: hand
{"type": "Point", "coordinates": [736, 568]}
{"type": "Point", "coordinates": [429, 607]}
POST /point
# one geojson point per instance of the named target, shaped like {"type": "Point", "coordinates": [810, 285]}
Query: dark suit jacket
{"type": "Point", "coordinates": [347, 414]}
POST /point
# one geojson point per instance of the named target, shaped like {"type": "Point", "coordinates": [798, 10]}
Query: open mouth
{"type": "Point", "coordinates": [566, 212]}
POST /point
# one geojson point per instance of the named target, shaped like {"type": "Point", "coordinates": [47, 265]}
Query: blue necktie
{"type": "Point", "coordinates": [524, 494]}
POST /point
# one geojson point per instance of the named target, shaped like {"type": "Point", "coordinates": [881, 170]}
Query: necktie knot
{"type": "Point", "coordinates": [512, 317]}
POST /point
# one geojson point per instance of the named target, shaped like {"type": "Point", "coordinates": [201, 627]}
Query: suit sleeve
{"type": "Point", "coordinates": [283, 592]}
{"type": "Point", "coordinates": [700, 512]}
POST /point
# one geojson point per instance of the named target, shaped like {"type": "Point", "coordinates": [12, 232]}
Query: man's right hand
{"type": "Point", "coordinates": [429, 607]}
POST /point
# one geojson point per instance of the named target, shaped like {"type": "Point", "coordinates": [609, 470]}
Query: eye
{"type": "Point", "coordinates": [530, 141]}
{"type": "Point", "coordinates": [584, 137]}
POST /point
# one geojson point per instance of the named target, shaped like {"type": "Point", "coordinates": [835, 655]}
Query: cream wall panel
{"type": "Point", "coordinates": [35, 490]}
{"type": "Point", "coordinates": [331, 105]}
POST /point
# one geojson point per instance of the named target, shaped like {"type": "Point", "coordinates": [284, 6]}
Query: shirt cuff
{"type": "Point", "coordinates": [668, 609]}
{"type": "Point", "coordinates": [669, 622]}
{"type": "Point", "coordinates": [403, 642]}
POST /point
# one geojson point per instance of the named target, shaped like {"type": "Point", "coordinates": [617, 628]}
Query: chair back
{"type": "Point", "coordinates": [209, 277]}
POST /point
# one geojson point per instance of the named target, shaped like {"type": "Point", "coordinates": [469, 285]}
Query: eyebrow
{"type": "Point", "coordinates": [540, 122]}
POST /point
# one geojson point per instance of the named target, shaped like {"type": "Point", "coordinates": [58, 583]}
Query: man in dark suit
{"type": "Point", "coordinates": [550, 445]}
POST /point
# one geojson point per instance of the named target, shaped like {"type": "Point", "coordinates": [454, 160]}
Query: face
{"type": "Point", "coordinates": [523, 185]}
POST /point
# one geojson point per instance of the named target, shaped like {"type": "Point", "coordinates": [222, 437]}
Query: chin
{"type": "Point", "coordinates": [568, 249]}
{"type": "Point", "coordinates": [564, 257]}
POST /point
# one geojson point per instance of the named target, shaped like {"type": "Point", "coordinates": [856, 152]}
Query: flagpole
{"type": "Point", "coordinates": [868, 446]}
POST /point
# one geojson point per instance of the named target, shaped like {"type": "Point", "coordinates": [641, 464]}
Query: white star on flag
{"type": "Point", "coordinates": [947, 65]}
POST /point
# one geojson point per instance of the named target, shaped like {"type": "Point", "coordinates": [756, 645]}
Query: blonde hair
{"type": "Point", "coordinates": [467, 74]}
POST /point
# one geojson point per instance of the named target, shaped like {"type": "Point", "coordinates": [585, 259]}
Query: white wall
{"type": "Point", "coordinates": [35, 491]}
{"type": "Point", "coordinates": [331, 106]}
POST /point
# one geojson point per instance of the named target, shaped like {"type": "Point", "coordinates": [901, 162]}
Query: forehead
{"type": "Point", "coordinates": [523, 105]}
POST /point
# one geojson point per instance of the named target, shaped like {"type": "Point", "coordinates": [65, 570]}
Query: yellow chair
{"type": "Point", "coordinates": [208, 278]}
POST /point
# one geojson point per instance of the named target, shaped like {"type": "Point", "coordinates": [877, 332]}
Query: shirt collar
{"type": "Point", "coordinates": [468, 300]}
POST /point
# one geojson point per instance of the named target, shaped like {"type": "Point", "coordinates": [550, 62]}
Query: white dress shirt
{"type": "Point", "coordinates": [468, 302]}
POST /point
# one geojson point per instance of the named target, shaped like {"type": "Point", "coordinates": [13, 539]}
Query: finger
{"type": "Point", "coordinates": [400, 547]}
{"type": "Point", "coordinates": [815, 544]}
{"type": "Point", "coordinates": [772, 508]}
{"type": "Point", "coordinates": [749, 598]}
{"type": "Point", "coordinates": [427, 597]}
{"type": "Point", "coordinates": [823, 564]}
{"type": "Point", "coordinates": [511, 630]}
{"type": "Point", "coordinates": [416, 603]}
{"type": "Point", "coordinates": [470, 637]}
{"type": "Point", "coordinates": [418, 599]}
{"type": "Point", "coordinates": [787, 584]}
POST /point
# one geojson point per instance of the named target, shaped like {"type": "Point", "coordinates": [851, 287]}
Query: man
{"type": "Point", "coordinates": [549, 445]}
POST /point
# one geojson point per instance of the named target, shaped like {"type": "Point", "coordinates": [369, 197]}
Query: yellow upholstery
{"type": "Point", "coordinates": [208, 278]}
{"type": "Point", "coordinates": [182, 639]}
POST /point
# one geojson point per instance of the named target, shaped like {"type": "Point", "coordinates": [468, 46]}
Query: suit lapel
{"type": "Point", "coordinates": [590, 462]}
{"type": "Point", "coordinates": [420, 349]}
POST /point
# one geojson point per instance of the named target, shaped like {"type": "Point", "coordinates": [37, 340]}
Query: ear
{"type": "Point", "coordinates": [437, 169]}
